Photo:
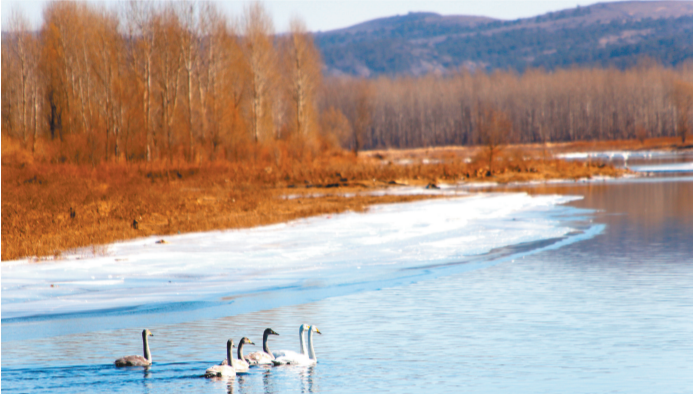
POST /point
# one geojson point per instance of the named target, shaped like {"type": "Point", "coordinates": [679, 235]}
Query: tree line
{"type": "Point", "coordinates": [157, 81]}
{"type": "Point", "coordinates": [153, 81]}
{"type": "Point", "coordinates": [536, 106]}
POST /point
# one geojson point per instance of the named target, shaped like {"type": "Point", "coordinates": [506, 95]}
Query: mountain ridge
{"type": "Point", "coordinates": [603, 34]}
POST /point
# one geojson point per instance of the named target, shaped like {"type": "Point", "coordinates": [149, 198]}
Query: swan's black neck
{"type": "Point", "coordinates": [229, 345]}
{"type": "Point", "coordinates": [145, 345]}
{"type": "Point", "coordinates": [240, 351]}
{"type": "Point", "coordinates": [266, 348]}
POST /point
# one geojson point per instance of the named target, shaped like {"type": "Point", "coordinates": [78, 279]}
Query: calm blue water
{"type": "Point", "coordinates": [612, 313]}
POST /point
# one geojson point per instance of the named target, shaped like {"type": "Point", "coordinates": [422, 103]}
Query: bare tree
{"type": "Point", "coordinates": [24, 47]}
{"type": "Point", "coordinates": [67, 59]}
{"type": "Point", "coordinates": [362, 115]}
{"type": "Point", "coordinates": [682, 97]}
{"type": "Point", "coordinates": [108, 70]}
{"type": "Point", "coordinates": [168, 64]}
{"type": "Point", "coordinates": [224, 80]}
{"type": "Point", "coordinates": [261, 59]}
{"type": "Point", "coordinates": [140, 19]}
{"type": "Point", "coordinates": [494, 128]}
{"type": "Point", "coordinates": [302, 62]}
{"type": "Point", "coordinates": [190, 32]}
{"type": "Point", "coordinates": [19, 25]}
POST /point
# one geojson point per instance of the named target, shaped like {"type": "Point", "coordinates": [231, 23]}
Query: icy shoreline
{"type": "Point", "coordinates": [323, 252]}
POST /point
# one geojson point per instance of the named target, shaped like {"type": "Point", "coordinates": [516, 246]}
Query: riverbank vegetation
{"type": "Point", "coordinates": [49, 208]}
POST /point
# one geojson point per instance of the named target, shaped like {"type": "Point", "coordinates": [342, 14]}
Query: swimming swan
{"type": "Point", "coordinates": [240, 365]}
{"type": "Point", "coordinates": [301, 359]}
{"type": "Point", "coordinates": [264, 357]}
{"type": "Point", "coordinates": [222, 369]}
{"type": "Point", "coordinates": [290, 353]}
{"type": "Point", "coordinates": [138, 361]}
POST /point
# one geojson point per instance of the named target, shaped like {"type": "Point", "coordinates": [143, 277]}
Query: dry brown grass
{"type": "Point", "coordinates": [661, 143]}
{"type": "Point", "coordinates": [50, 208]}
{"type": "Point", "coordinates": [538, 150]}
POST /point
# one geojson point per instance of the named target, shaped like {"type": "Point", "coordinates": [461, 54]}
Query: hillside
{"type": "Point", "coordinates": [605, 34]}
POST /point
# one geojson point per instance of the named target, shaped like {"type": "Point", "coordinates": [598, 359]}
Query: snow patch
{"type": "Point", "coordinates": [330, 250]}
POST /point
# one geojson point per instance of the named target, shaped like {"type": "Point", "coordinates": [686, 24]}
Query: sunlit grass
{"type": "Point", "coordinates": [49, 208]}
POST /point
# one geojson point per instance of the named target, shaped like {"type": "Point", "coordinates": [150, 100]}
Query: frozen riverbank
{"type": "Point", "coordinates": [206, 273]}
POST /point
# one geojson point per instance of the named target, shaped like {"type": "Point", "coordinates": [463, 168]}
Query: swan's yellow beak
{"type": "Point", "coordinates": [318, 331]}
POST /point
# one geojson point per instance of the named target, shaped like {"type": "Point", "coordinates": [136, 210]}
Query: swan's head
{"type": "Point", "coordinates": [315, 329]}
{"type": "Point", "coordinates": [147, 333]}
{"type": "Point", "coordinates": [246, 341]}
{"type": "Point", "coordinates": [304, 327]}
{"type": "Point", "coordinates": [229, 343]}
{"type": "Point", "coordinates": [269, 331]}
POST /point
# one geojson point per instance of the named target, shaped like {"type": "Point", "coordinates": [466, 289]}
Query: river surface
{"type": "Point", "coordinates": [574, 287]}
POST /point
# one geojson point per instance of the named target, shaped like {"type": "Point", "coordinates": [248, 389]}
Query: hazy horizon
{"type": "Point", "coordinates": [331, 15]}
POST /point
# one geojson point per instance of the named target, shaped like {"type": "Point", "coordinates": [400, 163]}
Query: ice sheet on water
{"type": "Point", "coordinates": [669, 167]}
{"type": "Point", "coordinates": [618, 154]}
{"type": "Point", "coordinates": [400, 190]}
{"type": "Point", "coordinates": [329, 250]}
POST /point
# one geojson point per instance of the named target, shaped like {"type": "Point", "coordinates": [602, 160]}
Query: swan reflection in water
{"type": "Point", "coordinates": [147, 382]}
{"type": "Point", "coordinates": [308, 379]}
{"type": "Point", "coordinates": [266, 382]}
{"type": "Point", "coordinates": [276, 379]}
{"type": "Point", "coordinates": [243, 386]}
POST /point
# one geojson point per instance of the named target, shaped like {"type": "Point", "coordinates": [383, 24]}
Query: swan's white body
{"type": "Point", "coordinates": [259, 358]}
{"type": "Point", "coordinates": [290, 354]}
{"type": "Point", "coordinates": [307, 357]}
{"type": "Point", "coordinates": [286, 353]}
{"type": "Point", "coordinates": [222, 370]}
{"type": "Point", "coordinates": [238, 365]}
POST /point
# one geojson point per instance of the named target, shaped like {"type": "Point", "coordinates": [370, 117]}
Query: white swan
{"type": "Point", "coordinates": [301, 359]}
{"type": "Point", "coordinates": [137, 360]}
{"type": "Point", "coordinates": [311, 350]}
{"type": "Point", "coordinates": [240, 365]}
{"type": "Point", "coordinates": [264, 357]}
{"type": "Point", "coordinates": [284, 354]}
{"type": "Point", "coordinates": [222, 369]}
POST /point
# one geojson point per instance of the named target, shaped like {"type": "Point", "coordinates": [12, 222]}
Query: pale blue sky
{"type": "Point", "coordinates": [329, 14]}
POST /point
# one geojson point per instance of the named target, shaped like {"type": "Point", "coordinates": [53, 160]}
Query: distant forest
{"type": "Point", "coordinates": [178, 81]}
{"type": "Point", "coordinates": [537, 106]}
